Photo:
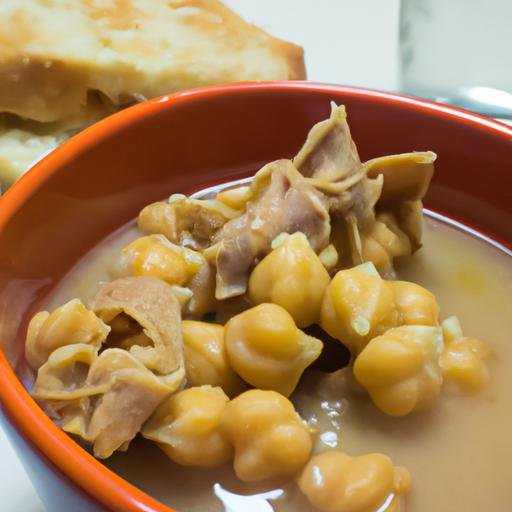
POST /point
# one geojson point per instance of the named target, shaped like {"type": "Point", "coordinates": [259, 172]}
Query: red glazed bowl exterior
{"type": "Point", "coordinates": [101, 178]}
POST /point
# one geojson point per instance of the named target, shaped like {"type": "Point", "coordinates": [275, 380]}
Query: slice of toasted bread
{"type": "Point", "coordinates": [19, 150]}
{"type": "Point", "coordinates": [53, 52]}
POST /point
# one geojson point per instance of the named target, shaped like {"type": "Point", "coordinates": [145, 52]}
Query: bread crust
{"type": "Point", "coordinates": [292, 53]}
{"type": "Point", "coordinates": [52, 55]}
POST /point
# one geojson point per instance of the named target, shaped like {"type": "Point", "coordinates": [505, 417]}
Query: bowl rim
{"type": "Point", "coordinates": [87, 473]}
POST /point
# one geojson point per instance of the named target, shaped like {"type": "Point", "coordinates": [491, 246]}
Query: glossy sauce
{"type": "Point", "coordinates": [459, 453]}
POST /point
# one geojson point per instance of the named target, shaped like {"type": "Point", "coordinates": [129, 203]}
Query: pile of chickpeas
{"type": "Point", "coordinates": [240, 375]}
{"type": "Point", "coordinates": [400, 353]}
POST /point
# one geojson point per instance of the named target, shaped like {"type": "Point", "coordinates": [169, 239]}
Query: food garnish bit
{"type": "Point", "coordinates": [310, 241]}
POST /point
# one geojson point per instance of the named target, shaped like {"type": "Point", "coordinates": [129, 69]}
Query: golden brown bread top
{"type": "Point", "coordinates": [53, 53]}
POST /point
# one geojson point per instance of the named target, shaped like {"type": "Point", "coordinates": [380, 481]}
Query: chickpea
{"type": "Point", "coordinates": [463, 359]}
{"type": "Point", "coordinates": [155, 256]}
{"type": "Point", "coordinates": [415, 304]}
{"type": "Point", "coordinates": [357, 306]}
{"type": "Point", "coordinates": [206, 359]}
{"type": "Point", "coordinates": [384, 242]}
{"type": "Point", "coordinates": [269, 437]}
{"type": "Point", "coordinates": [186, 427]}
{"type": "Point", "coordinates": [186, 221]}
{"type": "Point", "coordinates": [372, 250]}
{"type": "Point", "coordinates": [68, 324]}
{"type": "Point", "coordinates": [235, 198]}
{"type": "Point", "coordinates": [336, 482]}
{"type": "Point", "coordinates": [159, 218]}
{"type": "Point", "coordinates": [293, 277]}
{"type": "Point", "coordinates": [267, 350]}
{"type": "Point", "coordinates": [400, 369]}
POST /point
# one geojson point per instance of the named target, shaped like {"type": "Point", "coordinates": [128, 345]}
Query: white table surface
{"type": "Point", "coordinates": [346, 42]}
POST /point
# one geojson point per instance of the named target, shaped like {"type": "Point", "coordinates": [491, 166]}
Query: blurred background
{"type": "Point", "coordinates": [350, 42]}
{"type": "Point", "coordinates": [457, 51]}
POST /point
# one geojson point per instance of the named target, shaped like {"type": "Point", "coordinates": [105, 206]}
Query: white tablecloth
{"type": "Point", "coordinates": [346, 42]}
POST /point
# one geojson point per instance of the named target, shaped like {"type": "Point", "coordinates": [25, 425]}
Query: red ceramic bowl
{"type": "Point", "coordinates": [101, 178]}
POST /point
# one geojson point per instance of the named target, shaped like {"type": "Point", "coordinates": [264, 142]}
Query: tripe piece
{"type": "Point", "coordinates": [103, 399]}
{"type": "Point", "coordinates": [282, 202]}
{"type": "Point", "coordinates": [387, 189]}
{"type": "Point", "coordinates": [153, 305]}
{"type": "Point", "coordinates": [68, 324]}
{"type": "Point", "coordinates": [330, 161]}
{"type": "Point", "coordinates": [406, 178]}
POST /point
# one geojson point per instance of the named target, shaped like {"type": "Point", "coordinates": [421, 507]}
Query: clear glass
{"type": "Point", "coordinates": [458, 52]}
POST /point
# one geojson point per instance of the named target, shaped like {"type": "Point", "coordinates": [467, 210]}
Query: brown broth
{"type": "Point", "coordinates": [459, 453]}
